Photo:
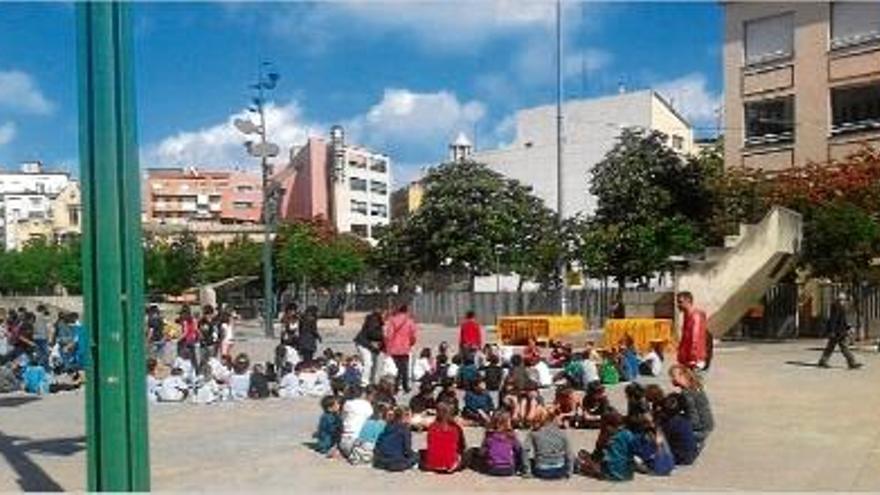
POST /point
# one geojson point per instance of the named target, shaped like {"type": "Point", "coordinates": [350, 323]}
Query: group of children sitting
{"type": "Point", "coordinates": [502, 393]}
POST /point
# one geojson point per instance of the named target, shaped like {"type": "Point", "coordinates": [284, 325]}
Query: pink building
{"type": "Point", "coordinates": [191, 195]}
{"type": "Point", "coordinates": [346, 184]}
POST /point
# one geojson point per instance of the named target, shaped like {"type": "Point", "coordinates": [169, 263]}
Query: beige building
{"type": "Point", "coordinates": [406, 200]}
{"type": "Point", "coordinates": [63, 219]}
{"type": "Point", "coordinates": [801, 81]}
{"type": "Point", "coordinates": [206, 233]}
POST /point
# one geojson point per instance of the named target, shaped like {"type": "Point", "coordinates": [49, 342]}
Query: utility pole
{"type": "Point", "coordinates": [560, 145]}
{"type": "Point", "coordinates": [264, 150]}
{"type": "Point", "coordinates": [117, 434]}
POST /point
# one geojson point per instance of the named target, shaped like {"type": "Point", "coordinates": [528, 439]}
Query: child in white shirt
{"type": "Point", "coordinates": [289, 385]}
{"type": "Point", "coordinates": [355, 413]}
{"type": "Point", "coordinates": [173, 388]}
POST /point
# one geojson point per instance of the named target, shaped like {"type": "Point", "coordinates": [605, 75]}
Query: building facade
{"type": "Point", "coordinates": [406, 200]}
{"type": "Point", "coordinates": [27, 197]}
{"type": "Point", "coordinates": [346, 184]}
{"type": "Point", "coordinates": [801, 81]}
{"type": "Point", "coordinates": [591, 130]}
{"type": "Point", "coordinates": [63, 220]}
{"type": "Point", "coordinates": [178, 196]}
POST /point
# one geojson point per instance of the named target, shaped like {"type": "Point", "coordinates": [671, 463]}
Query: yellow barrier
{"type": "Point", "coordinates": [642, 331]}
{"type": "Point", "coordinates": [517, 330]}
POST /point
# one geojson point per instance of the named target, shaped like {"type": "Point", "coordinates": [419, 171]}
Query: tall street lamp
{"type": "Point", "coordinates": [266, 81]}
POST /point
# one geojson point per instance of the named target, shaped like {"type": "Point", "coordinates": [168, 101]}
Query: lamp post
{"type": "Point", "coordinates": [560, 145]}
{"type": "Point", "coordinates": [267, 79]}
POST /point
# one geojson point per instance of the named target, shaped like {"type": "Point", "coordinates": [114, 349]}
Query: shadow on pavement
{"type": "Point", "coordinates": [805, 364]}
{"type": "Point", "coordinates": [31, 477]}
{"type": "Point", "coordinates": [16, 401]}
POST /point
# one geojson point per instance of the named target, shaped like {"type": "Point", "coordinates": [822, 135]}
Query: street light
{"type": "Point", "coordinates": [267, 79]}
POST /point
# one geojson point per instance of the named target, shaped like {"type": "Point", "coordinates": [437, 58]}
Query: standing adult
{"type": "Point", "coordinates": [308, 334]}
{"type": "Point", "coordinates": [189, 334]}
{"type": "Point", "coordinates": [208, 332]}
{"type": "Point", "coordinates": [156, 331]}
{"type": "Point", "coordinates": [400, 337]}
{"type": "Point", "coordinates": [369, 343]}
{"type": "Point", "coordinates": [42, 335]}
{"type": "Point", "coordinates": [227, 335]}
{"type": "Point", "coordinates": [470, 336]}
{"type": "Point", "coordinates": [692, 346]}
{"type": "Point", "coordinates": [290, 325]}
{"type": "Point", "coordinates": [837, 329]}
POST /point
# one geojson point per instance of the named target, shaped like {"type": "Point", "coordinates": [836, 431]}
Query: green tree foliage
{"type": "Point", "coordinates": [311, 252]}
{"type": "Point", "coordinates": [220, 261]}
{"type": "Point", "coordinates": [651, 204]}
{"type": "Point", "coordinates": [840, 241]}
{"type": "Point", "coordinates": [471, 219]}
{"type": "Point", "coordinates": [172, 266]}
{"type": "Point", "coordinates": [42, 266]}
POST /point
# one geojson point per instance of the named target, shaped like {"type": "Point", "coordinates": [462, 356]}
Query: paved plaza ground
{"type": "Point", "coordinates": [781, 424]}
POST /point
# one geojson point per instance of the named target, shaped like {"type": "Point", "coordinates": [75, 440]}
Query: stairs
{"type": "Point", "coordinates": [727, 281]}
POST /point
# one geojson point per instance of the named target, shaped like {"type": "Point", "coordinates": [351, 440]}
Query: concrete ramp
{"type": "Point", "coordinates": [727, 281]}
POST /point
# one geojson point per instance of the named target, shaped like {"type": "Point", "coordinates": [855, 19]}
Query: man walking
{"type": "Point", "coordinates": [470, 336]}
{"type": "Point", "coordinates": [837, 329]}
{"type": "Point", "coordinates": [692, 347]}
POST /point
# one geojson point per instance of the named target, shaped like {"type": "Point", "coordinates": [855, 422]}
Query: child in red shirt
{"type": "Point", "coordinates": [446, 443]}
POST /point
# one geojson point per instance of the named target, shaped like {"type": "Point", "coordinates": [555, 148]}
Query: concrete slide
{"type": "Point", "coordinates": [727, 281]}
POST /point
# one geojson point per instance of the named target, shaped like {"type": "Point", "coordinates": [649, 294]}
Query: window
{"type": "Point", "coordinates": [770, 38]}
{"type": "Point", "coordinates": [359, 229]}
{"type": "Point", "coordinates": [358, 184]}
{"type": "Point", "coordinates": [359, 207]}
{"type": "Point", "coordinates": [73, 216]}
{"type": "Point", "coordinates": [357, 164]}
{"type": "Point", "coordinates": [244, 188]}
{"type": "Point", "coordinates": [378, 210]}
{"type": "Point", "coordinates": [855, 108]}
{"type": "Point", "coordinates": [378, 187]}
{"type": "Point", "coordinates": [770, 121]}
{"type": "Point", "coordinates": [677, 143]}
{"type": "Point", "coordinates": [854, 22]}
{"type": "Point", "coordinates": [242, 205]}
{"type": "Point", "coordinates": [379, 166]}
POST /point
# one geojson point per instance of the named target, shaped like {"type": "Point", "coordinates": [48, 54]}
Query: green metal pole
{"type": "Point", "coordinates": [116, 409]}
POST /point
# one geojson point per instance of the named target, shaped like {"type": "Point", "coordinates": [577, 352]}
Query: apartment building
{"type": "Point", "coordinates": [801, 81]}
{"type": "Point", "coordinates": [27, 196]}
{"type": "Point", "coordinates": [178, 196]}
{"type": "Point", "coordinates": [345, 183]}
{"type": "Point", "coordinates": [592, 127]}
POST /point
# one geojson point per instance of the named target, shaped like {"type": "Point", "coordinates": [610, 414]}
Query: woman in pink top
{"type": "Point", "coordinates": [400, 337]}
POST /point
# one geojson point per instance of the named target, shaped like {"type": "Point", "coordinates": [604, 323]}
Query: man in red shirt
{"type": "Point", "coordinates": [692, 346]}
{"type": "Point", "coordinates": [470, 336]}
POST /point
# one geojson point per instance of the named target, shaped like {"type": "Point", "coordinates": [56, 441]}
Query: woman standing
{"type": "Point", "coordinates": [308, 334]}
{"type": "Point", "coordinates": [369, 343]}
{"type": "Point", "coordinates": [400, 337]}
{"type": "Point", "coordinates": [227, 337]}
{"type": "Point", "coordinates": [189, 334]}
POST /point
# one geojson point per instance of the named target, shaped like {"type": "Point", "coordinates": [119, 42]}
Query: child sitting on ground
{"type": "Point", "coordinates": [549, 448]}
{"type": "Point", "coordinates": [313, 380]}
{"type": "Point", "coordinates": [467, 373]}
{"type": "Point", "coordinates": [566, 404]}
{"type": "Point", "coordinates": [652, 363]}
{"type": "Point", "coordinates": [153, 382]}
{"type": "Point", "coordinates": [362, 451]}
{"type": "Point", "coordinates": [446, 443]}
{"type": "Point", "coordinates": [394, 446]}
{"type": "Point", "coordinates": [654, 395]}
{"type": "Point", "coordinates": [478, 405]}
{"type": "Point", "coordinates": [695, 400]}
{"type": "Point", "coordinates": [385, 391]}
{"type": "Point", "coordinates": [423, 406]}
{"type": "Point", "coordinates": [608, 372]}
{"type": "Point", "coordinates": [240, 381]}
{"type": "Point", "coordinates": [636, 404]}
{"type": "Point", "coordinates": [452, 369]}
{"type": "Point", "coordinates": [329, 426]}
{"type": "Point", "coordinates": [355, 412]}
{"type": "Point", "coordinates": [173, 388]}
{"type": "Point", "coordinates": [594, 405]}
{"type": "Point", "coordinates": [678, 430]}
{"type": "Point", "coordinates": [206, 389]}
{"type": "Point", "coordinates": [493, 373]}
{"type": "Point", "coordinates": [449, 396]}
{"type": "Point", "coordinates": [613, 458]}
{"type": "Point", "coordinates": [35, 378]}
{"type": "Point", "coordinates": [650, 448]}
{"type": "Point", "coordinates": [531, 354]}
{"type": "Point", "coordinates": [184, 361]}
{"type": "Point", "coordinates": [423, 368]}
{"type": "Point", "coordinates": [288, 386]}
{"type": "Point", "coordinates": [501, 453]}
{"type": "Point", "coordinates": [442, 368]}
{"type": "Point", "coordinates": [258, 387]}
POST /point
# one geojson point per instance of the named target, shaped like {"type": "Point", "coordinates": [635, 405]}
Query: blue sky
{"type": "Point", "coordinates": [402, 77]}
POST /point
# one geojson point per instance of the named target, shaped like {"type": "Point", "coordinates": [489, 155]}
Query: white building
{"type": "Point", "coordinates": [27, 195]}
{"type": "Point", "coordinates": [591, 128]}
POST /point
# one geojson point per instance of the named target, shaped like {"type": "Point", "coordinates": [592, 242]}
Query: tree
{"type": "Point", "coordinates": [172, 267]}
{"type": "Point", "coordinates": [471, 219]}
{"type": "Point", "coordinates": [220, 261]}
{"type": "Point", "coordinates": [311, 252]}
{"type": "Point", "coordinates": [651, 204]}
{"type": "Point", "coordinates": [840, 241]}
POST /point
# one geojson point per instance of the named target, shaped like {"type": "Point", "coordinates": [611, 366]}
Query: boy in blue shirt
{"type": "Point", "coordinates": [329, 426]}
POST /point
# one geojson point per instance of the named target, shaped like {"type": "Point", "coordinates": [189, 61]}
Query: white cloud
{"type": "Point", "coordinates": [409, 126]}
{"type": "Point", "coordinates": [222, 145]}
{"type": "Point", "coordinates": [535, 64]}
{"type": "Point", "coordinates": [438, 25]}
{"type": "Point", "coordinates": [405, 121]}
{"type": "Point", "coordinates": [19, 92]}
{"type": "Point", "coordinates": [691, 97]}
{"type": "Point", "coordinates": [7, 132]}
